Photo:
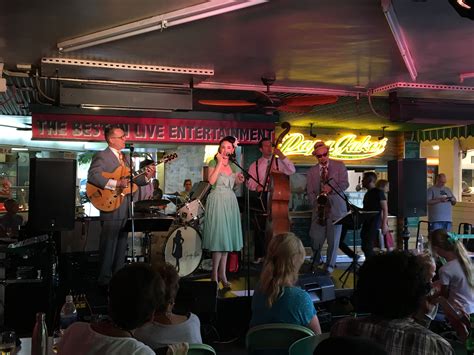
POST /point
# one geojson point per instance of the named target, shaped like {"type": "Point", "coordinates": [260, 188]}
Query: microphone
{"type": "Point", "coordinates": [132, 148]}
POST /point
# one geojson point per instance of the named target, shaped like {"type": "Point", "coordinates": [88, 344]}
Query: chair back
{"type": "Point", "coordinates": [201, 349]}
{"type": "Point", "coordinates": [276, 336]}
{"type": "Point", "coordinates": [305, 346]}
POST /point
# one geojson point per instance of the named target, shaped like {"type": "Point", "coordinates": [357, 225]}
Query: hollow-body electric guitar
{"type": "Point", "coordinates": [109, 200]}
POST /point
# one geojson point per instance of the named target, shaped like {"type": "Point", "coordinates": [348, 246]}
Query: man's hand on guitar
{"type": "Point", "coordinates": [150, 171]}
{"type": "Point", "coordinates": [122, 183]}
{"type": "Point", "coordinates": [327, 189]}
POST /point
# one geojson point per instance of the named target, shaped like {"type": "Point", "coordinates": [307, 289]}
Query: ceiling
{"type": "Point", "coordinates": [312, 47]}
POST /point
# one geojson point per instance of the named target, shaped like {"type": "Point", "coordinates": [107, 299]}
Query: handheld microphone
{"type": "Point", "coordinates": [132, 148]}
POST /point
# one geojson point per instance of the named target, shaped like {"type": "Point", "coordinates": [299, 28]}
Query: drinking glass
{"type": "Point", "coordinates": [7, 342]}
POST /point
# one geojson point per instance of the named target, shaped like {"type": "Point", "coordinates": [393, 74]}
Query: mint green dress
{"type": "Point", "coordinates": [222, 222]}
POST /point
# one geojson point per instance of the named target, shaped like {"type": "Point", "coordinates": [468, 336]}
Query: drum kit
{"type": "Point", "coordinates": [181, 246]}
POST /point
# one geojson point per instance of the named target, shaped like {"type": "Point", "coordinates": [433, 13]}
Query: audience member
{"type": "Point", "coordinates": [374, 200]}
{"type": "Point", "coordinates": [168, 328]}
{"type": "Point", "coordinates": [428, 310]}
{"type": "Point", "coordinates": [134, 293]}
{"type": "Point", "coordinates": [10, 222]}
{"type": "Point", "coordinates": [349, 345]}
{"type": "Point", "coordinates": [391, 287]}
{"type": "Point", "coordinates": [276, 299]}
{"type": "Point", "coordinates": [440, 204]}
{"type": "Point", "coordinates": [188, 186]}
{"type": "Point", "coordinates": [456, 276]}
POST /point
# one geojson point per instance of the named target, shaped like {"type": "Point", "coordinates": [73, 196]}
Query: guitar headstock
{"type": "Point", "coordinates": [168, 158]}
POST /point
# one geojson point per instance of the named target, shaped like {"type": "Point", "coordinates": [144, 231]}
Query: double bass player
{"type": "Point", "coordinates": [259, 170]}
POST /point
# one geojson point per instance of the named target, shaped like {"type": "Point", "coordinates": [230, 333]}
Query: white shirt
{"type": "Point", "coordinates": [452, 275]}
{"type": "Point", "coordinates": [159, 335]}
{"type": "Point", "coordinates": [112, 184]}
{"type": "Point", "coordinates": [284, 166]}
{"type": "Point", "coordinates": [79, 338]}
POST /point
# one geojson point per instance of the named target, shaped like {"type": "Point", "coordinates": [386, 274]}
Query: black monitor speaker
{"type": "Point", "coordinates": [407, 195]}
{"type": "Point", "coordinates": [52, 197]}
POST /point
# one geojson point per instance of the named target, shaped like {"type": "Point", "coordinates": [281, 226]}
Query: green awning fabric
{"type": "Point", "coordinates": [443, 133]}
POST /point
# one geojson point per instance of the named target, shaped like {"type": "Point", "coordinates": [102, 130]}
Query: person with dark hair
{"type": "Point", "coordinates": [374, 200]}
{"type": "Point", "coordinates": [391, 288]}
{"type": "Point", "coordinates": [113, 240]}
{"type": "Point", "coordinates": [222, 223]}
{"type": "Point", "coordinates": [349, 345]}
{"type": "Point", "coordinates": [327, 205]}
{"type": "Point", "coordinates": [188, 185]}
{"type": "Point", "coordinates": [11, 221]}
{"type": "Point", "coordinates": [146, 192]}
{"type": "Point", "coordinates": [276, 298]}
{"type": "Point", "coordinates": [258, 170]}
{"type": "Point", "coordinates": [167, 327]}
{"type": "Point", "coordinates": [135, 291]}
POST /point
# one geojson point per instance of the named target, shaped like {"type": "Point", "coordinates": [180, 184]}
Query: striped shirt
{"type": "Point", "coordinates": [398, 336]}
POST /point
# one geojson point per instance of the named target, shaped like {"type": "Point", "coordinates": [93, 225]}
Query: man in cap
{"type": "Point", "coordinates": [322, 178]}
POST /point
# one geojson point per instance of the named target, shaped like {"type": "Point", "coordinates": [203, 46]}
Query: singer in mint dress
{"type": "Point", "coordinates": [222, 222]}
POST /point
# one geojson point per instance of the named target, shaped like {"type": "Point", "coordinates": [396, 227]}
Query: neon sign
{"type": "Point", "coordinates": [347, 147]}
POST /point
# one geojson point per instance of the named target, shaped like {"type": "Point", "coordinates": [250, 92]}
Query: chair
{"type": "Point", "coordinates": [275, 336]}
{"type": "Point", "coordinates": [201, 349]}
{"type": "Point", "coordinates": [306, 346]}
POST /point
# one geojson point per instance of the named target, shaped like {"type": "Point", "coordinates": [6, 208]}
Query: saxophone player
{"type": "Point", "coordinates": [327, 205]}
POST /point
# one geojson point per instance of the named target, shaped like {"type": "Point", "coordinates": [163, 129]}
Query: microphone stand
{"type": "Point", "coordinates": [247, 214]}
{"type": "Point", "coordinates": [355, 223]}
{"type": "Point", "coordinates": [132, 203]}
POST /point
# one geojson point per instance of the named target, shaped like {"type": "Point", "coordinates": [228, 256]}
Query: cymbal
{"type": "Point", "coordinates": [173, 193]}
{"type": "Point", "coordinates": [150, 204]}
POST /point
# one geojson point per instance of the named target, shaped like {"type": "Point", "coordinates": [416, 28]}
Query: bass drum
{"type": "Point", "coordinates": [181, 248]}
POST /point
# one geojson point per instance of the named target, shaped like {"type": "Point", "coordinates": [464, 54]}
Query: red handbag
{"type": "Point", "coordinates": [233, 262]}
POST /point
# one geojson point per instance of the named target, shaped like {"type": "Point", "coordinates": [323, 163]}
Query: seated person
{"type": "Point", "coordinates": [276, 299]}
{"type": "Point", "coordinates": [134, 293]}
{"type": "Point", "coordinates": [349, 345]}
{"type": "Point", "coordinates": [188, 186]}
{"type": "Point", "coordinates": [168, 328]}
{"type": "Point", "coordinates": [456, 276]}
{"type": "Point", "coordinates": [10, 222]}
{"type": "Point", "coordinates": [455, 314]}
{"type": "Point", "coordinates": [145, 192]}
{"type": "Point", "coordinates": [391, 287]}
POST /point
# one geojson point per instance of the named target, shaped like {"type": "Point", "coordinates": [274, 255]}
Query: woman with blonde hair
{"type": "Point", "coordinates": [456, 276]}
{"type": "Point", "coordinates": [276, 299]}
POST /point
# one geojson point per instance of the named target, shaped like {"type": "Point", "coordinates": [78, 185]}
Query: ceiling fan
{"type": "Point", "coordinates": [270, 102]}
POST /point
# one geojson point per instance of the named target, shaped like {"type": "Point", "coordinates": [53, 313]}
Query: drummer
{"type": "Point", "coordinates": [146, 192]}
{"type": "Point", "coordinates": [188, 185]}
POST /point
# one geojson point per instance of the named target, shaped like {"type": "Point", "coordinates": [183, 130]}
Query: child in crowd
{"type": "Point", "coordinates": [456, 276]}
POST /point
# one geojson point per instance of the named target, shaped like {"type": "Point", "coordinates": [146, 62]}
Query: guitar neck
{"type": "Point", "coordinates": [162, 160]}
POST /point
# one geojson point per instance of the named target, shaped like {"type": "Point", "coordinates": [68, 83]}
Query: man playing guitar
{"type": "Point", "coordinates": [113, 241]}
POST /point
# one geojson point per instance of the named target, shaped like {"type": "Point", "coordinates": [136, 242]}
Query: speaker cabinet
{"type": "Point", "coordinates": [52, 197]}
{"type": "Point", "coordinates": [407, 195]}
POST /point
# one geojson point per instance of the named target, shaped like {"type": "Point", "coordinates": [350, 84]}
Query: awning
{"type": "Point", "coordinates": [443, 133]}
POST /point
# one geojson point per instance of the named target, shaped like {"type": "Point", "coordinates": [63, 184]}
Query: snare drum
{"type": "Point", "coordinates": [180, 248]}
{"type": "Point", "coordinates": [191, 211]}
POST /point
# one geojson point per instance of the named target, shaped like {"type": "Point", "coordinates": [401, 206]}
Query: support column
{"type": "Point", "coordinates": [450, 164]}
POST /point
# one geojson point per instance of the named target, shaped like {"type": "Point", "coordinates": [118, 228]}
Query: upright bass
{"type": "Point", "coordinates": [278, 218]}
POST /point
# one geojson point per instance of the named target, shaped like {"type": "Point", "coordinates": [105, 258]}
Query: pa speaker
{"type": "Point", "coordinates": [52, 198]}
{"type": "Point", "coordinates": [407, 195]}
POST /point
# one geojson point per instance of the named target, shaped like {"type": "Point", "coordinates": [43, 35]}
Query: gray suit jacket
{"type": "Point", "coordinates": [106, 161]}
{"type": "Point", "coordinates": [338, 172]}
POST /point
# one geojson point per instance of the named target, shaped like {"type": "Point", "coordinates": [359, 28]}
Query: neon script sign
{"type": "Point", "coordinates": [347, 147]}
